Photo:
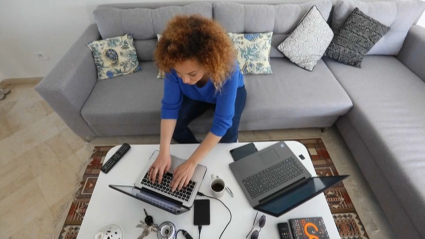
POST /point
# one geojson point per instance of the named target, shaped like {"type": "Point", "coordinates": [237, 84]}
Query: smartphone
{"type": "Point", "coordinates": [243, 151]}
{"type": "Point", "coordinates": [201, 215]}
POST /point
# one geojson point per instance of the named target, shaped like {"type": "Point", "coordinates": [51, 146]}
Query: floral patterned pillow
{"type": "Point", "coordinates": [161, 74]}
{"type": "Point", "coordinates": [253, 52]}
{"type": "Point", "coordinates": [114, 56]}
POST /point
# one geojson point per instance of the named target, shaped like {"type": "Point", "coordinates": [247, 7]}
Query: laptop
{"type": "Point", "coordinates": [286, 200]}
{"type": "Point", "coordinates": [160, 195]}
{"type": "Point", "coordinates": [275, 173]}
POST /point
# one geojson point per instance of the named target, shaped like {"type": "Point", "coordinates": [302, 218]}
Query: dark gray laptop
{"type": "Point", "coordinates": [267, 172]}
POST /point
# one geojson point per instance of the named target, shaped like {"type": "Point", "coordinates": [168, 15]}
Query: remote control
{"type": "Point", "coordinates": [115, 158]}
{"type": "Point", "coordinates": [284, 232]}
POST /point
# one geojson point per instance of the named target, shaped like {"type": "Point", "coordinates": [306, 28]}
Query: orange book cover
{"type": "Point", "coordinates": [309, 228]}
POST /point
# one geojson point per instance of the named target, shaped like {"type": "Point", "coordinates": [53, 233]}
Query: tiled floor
{"type": "Point", "coordinates": [42, 160]}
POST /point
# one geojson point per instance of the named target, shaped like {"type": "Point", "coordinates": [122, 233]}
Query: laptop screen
{"type": "Point", "coordinates": [298, 195]}
{"type": "Point", "coordinates": [152, 198]}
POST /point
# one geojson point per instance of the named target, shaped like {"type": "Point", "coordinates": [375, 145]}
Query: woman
{"type": "Point", "coordinates": [201, 72]}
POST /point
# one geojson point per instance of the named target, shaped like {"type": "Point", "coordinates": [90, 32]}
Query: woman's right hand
{"type": "Point", "coordinates": [161, 165]}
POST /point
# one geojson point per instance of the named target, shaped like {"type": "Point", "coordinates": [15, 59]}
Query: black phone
{"type": "Point", "coordinates": [201, 215]}
{"type": "Point", "coordinates": [284, 231]}
{"type": "Point", "coordinates": [243, 151]}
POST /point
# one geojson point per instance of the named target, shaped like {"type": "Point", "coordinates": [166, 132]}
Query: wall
{"type": "Point", "coordinates": [49, 26]}
{"type": "Point", "coordinates": [421, 21]}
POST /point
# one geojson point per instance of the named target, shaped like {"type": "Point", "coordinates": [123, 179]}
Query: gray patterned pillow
{"type": "Point", "coordinates": [307, 43]}
{"type": "Point", "coordinates": [355, 38]}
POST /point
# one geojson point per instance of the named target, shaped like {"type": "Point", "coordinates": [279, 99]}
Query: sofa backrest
{"type": "Point", "coordinates": [281, 19]}
{"type": "Point", "coordinates": [144, 22]}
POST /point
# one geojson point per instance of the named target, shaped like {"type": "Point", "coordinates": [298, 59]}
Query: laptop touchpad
{"type": "Point", "coordinates": [269, 157]}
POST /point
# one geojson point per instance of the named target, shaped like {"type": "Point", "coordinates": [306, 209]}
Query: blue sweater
{"type": "Point", "coordinates": [174, 89]}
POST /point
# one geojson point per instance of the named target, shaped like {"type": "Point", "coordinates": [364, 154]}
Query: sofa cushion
{"type": "Point", "coordinates": [389, 115]}
{"type": "Point", "coordinates": [399, 16]}
{"type": "Point", "coordinates": [133, 99]}
{"type": "Point", "coordinates": [250, 18]}
{"type": "Point", "coordinates": [145, 49]}
{"type": "Point", "coordinates": [308, 99]}
{"type": "Point", "coordinates": [289, 98]}
{"type": "Point", "coordinates": [276, 40]}
{"type": "Point", "coordinates": [294, 93]}
{"type": "Point", "coordinates": [280, 19]}
{"type": "Point", "coordinates": [143, 23]}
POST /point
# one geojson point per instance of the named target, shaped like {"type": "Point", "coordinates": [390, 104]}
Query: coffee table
{"type": "Point", "coordinates": [108, 206]}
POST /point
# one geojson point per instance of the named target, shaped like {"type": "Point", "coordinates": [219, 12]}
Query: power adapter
{"type": "Point", "coordinates": [186, 234]}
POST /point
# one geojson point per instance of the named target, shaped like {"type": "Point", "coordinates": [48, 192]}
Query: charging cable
{"type": "Point", "coordinates": [185, 234]}
{"type": "Point", "coordinates": [200, 227]}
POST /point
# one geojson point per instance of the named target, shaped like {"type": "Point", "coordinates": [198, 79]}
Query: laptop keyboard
{"type": "Point", "coordinates": [164, 186]}
{"type": "Point", "coordinates": [272, 177]}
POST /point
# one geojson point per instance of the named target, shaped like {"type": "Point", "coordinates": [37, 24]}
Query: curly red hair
{"type": "Point", "coordinates": [199, 38]}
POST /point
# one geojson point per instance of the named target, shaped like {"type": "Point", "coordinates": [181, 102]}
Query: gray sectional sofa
{"type": "Point", "coordinates": [379, 109]}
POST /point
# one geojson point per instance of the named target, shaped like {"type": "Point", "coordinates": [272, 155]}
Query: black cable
{"type": "Point", "coordinates": [199, 229]}
{"type": "Point", "coordinates": [185, 234]}
{"type": "Point", "coordinates": [203, 195]}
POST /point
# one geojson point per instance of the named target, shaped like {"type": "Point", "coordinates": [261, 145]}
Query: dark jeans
{"type": "Point", "coordinates": [192, 109]}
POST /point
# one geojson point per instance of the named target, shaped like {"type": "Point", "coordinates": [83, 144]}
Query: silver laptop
{"type": "Point", "coordinates": [160, 195]}
{"type": "Point", "coordinates": [264, 174]}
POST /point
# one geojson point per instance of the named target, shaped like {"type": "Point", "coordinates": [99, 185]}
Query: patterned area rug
{"type": "Point", "coordinates": [346, 218]}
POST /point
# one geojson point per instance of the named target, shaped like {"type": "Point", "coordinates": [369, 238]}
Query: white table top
{"type": "Point", "coordinates": [108, 206]}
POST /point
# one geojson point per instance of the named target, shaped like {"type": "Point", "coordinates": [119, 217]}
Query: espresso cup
{"type": "Point", "coordinates": [217, 186]}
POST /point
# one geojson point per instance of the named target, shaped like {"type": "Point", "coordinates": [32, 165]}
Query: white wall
{"type": "Point", "coordinates": [49, 26]}
{"type": "Point", "coordinates": [421, 21]}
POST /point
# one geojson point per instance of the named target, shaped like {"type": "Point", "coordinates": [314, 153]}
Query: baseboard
{"type": "Point", "coordinates": [19, 81]}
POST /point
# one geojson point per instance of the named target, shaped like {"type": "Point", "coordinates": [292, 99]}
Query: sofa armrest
{"type": "Point", "coordinates": [412, 54]}
{"type": "Point", "coordinates": [69, 84]}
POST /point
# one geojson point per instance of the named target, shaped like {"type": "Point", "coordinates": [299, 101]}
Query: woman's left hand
{"type": "Point", "coordinates": [182, 175]}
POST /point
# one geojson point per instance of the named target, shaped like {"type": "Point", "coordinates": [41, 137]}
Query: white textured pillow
{"type": "Point", "coordinates": [309, 41]}
{"type": "Point", "coordinates": [399, 16]}
{"type": "Point", "coordinates": [253, 51]}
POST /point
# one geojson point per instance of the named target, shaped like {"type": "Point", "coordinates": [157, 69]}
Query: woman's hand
{"type": "Point", "coordinates": [182, 175]}
{"type": "Point", "coordinates": [161, 165]}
